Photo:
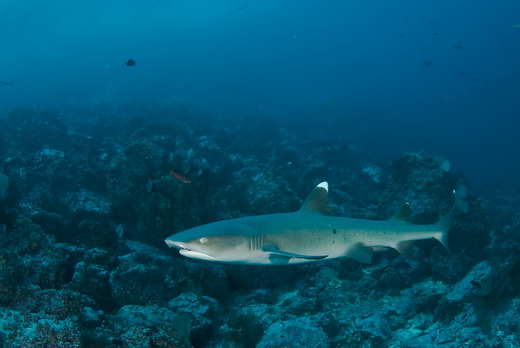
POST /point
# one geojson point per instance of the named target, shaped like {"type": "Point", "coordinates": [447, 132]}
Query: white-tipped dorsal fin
{"type": "Point", "coordinates": [318, 200]}
{"type": "Point", "coordinates": [325, 185]}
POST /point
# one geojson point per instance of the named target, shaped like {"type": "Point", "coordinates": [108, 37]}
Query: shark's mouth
{"type": "Point", "coordinates": [195, 254]}
{"type": "Point", "coordinates": [185, 251]}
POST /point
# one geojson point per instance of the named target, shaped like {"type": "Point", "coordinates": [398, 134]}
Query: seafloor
{"type": "Point", "coordinates": [86, 200]}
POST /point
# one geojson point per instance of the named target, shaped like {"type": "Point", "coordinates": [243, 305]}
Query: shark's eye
{"type": "Point", "coordinates": [203, 240]}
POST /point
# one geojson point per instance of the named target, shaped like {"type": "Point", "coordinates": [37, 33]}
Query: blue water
{"type": "Point", "coordinates": [389, 76]}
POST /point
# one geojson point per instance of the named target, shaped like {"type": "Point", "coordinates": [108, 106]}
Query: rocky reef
{"type": "Point", "coordinates": [87, 198]}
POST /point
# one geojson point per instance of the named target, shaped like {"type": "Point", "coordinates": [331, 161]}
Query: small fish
{"type": "Point", "coordinates": [130, 62]}
{"type": "Point", "coordinates": [459, 47]}
{"type": "Point", "coordinates": [5, 83]}
{"type": "Point", "coordinates": [180, 177]}
{"type": "Point", "coordinates": [427, 63]}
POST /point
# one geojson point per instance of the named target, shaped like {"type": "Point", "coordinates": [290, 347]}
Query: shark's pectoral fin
{"type": "Point", "coordinates": [277, 252]}
{"type": "Point", "coordinates": [360, 253]}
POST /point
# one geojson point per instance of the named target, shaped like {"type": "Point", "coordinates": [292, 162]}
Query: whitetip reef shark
{"type": "Point", "coordinates": [310, 234]}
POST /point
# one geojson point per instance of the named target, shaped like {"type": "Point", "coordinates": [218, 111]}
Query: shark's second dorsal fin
{"type": "Point", "coordinates": [318, 200]}
{"type": "Point", "coordinates": [405, 214]}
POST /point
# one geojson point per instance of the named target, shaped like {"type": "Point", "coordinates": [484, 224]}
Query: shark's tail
{"type": "Point", "coordinates": [444, 224]}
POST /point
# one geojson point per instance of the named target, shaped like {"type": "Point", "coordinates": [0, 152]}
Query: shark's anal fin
{"type": "Point", "coordinates": [278, 252]}
{"type": "Point", "coordinates": [318, 200]}
{"type": "Point", "coordinates": [405, 248]}
{"type": "Point", "coordinates": [360, 253]}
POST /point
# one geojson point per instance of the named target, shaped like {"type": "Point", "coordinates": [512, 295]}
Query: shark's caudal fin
{"type": "Point", "coordinates": [444, 224]}
{"type": "Point", "coordinates": [318, 200]}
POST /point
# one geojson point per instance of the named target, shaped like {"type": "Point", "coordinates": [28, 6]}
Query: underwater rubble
{"type": "Point", "coordinates": [88, 194]}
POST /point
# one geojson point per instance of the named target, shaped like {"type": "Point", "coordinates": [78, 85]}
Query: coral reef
{"type": "Point", "coordinates": [86, 199]}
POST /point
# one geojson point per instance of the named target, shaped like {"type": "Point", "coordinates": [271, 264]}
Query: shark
{"type": "Point", "coordinates": [5, 83]}
{"type": "Point", "coordinates": [310, 234]}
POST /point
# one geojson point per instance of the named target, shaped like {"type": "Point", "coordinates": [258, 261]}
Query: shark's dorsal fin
{"type": "Point", "coordinates": [318, 200]}
{"type": "Point", "coordinates": [404, 214]}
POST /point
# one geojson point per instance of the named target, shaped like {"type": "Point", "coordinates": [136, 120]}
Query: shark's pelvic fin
{"type": "Point", "coordinates": [289, 255]}
{"type": "Point", "coordinates": [318, 201]}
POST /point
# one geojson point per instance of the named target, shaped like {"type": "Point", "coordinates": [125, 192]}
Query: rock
{"type": "Point", "coordinates": [297, 305]}
{"type": "Point", "coordinates": [61, 304]}
{"type": "Point", "coordinates": [375, 328]}
{"type": "Point", "coordinates": [92, 280]}
{"type": "Point", "coordinates": [149, 326]}
{"type": "Point", "coordinates": [251, 321]}
{"type": "Point", "coordinates": [507, 322]}
{"type": "Point", "coordinates": [87, 203]}
{"type": "Point", "coordinates": [37, 330]}
{"type": "Point", "coordinates": [201, 311]}
{"type": "Point", "coordinates": [426, 295]}
{"type": "Point", "coordinates": [401, 273]}
{"type": "Point", "coordinates": [294, 334]}
{"type": "Point", "coordinates": [477, 283]}
{"type": "Point", "coordinates": [142, 276]}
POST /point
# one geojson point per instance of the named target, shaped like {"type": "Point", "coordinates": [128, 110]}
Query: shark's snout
{"type": "Point", "coordinates": [174, 244]}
